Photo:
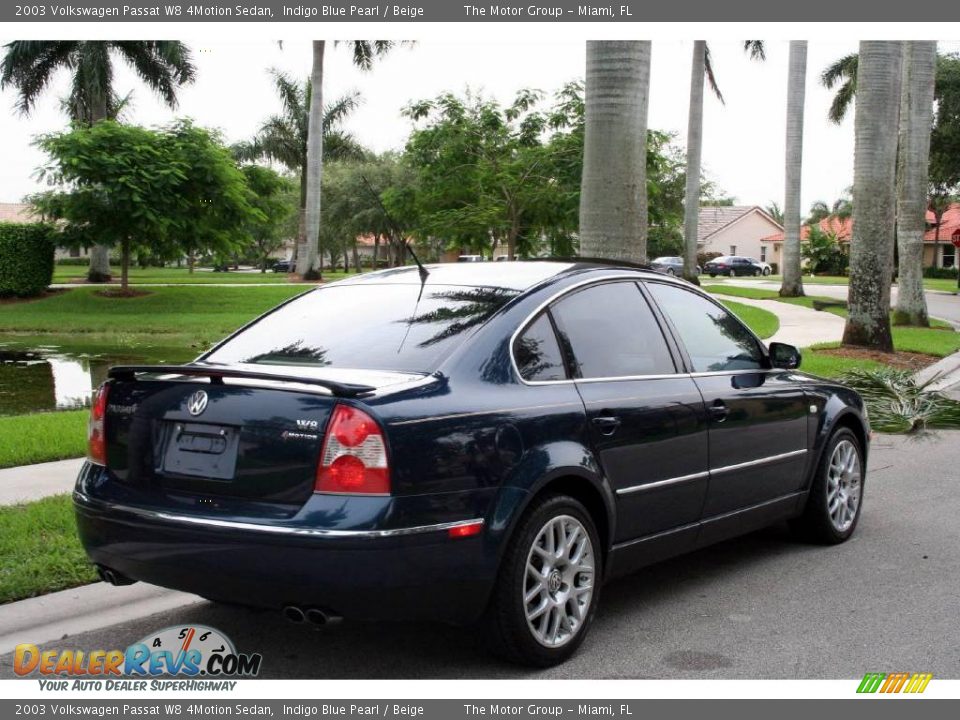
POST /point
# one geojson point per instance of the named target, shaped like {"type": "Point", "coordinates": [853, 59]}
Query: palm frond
{"type": "Point", "coordinates": [755, 49]}
{"type": "Point", "coordinates": [162, 66]}
{"type": "Point", "coordinates": [336, 112]}
{"type": "Point", "coordinates": [897, 403]}
{"type": "Point", "coordinates": [711, 78]}
{"type": "Point", "coordinates": [29, 65]}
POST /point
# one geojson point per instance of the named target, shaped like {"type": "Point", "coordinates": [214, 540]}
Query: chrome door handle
{"type": "Point", "coordinates": [607, 424]}
{"type": "Point", "coordinates": [719, 411]}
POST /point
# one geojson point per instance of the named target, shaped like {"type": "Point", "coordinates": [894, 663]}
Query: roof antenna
{"type": "Point", "coordinates": [424, 273]}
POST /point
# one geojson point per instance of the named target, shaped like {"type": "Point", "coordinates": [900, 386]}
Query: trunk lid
{"type": "Point", "coordinates": [225, 437]}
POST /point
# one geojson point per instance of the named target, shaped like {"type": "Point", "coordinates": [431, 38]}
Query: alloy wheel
{"type": "Point", "coordinates": [559, 581]}
{"type": "Point", "coordinates": [843, 485]}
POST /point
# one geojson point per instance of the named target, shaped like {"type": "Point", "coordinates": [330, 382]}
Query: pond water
{"type": "Point", "coordinates": [51, 377]}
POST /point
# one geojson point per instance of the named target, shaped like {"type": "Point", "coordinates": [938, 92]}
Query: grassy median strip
{"type": "Point", "coordinates": [40, 549]}
{"type": "Point", "coordinates": [42, 437]}
{"type": "Point", "coordinates": [763, 322]}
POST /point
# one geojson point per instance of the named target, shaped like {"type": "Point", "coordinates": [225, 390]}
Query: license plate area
{"type": "Point", "coordinates": [200, 450]}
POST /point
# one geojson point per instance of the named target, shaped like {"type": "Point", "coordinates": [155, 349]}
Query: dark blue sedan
{"type": "Point", "coordinates": [486, 443]}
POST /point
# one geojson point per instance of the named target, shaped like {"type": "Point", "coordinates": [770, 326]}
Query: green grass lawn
{"type": "Point", "coordinates": [42, 437]}
{"type": "Point", "coordinates": [74, 273]}
{"type": "Point", "coordinates": [187, 317]}
{"type": "Point", "coordinates": [40, 549]}
{"type": "Point", "coordinates": [762, 322]}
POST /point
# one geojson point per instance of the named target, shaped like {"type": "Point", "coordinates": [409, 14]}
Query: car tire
{"type": "Point", "coordinates": [733, 273]}
{"type": "Point", "coordinates": [671, 271]}
{"type": "Point", "coordinates": [565, 588]}
{"type": "Point", "coordinates": [713, 274]}
{"type": "Point", "coordinates": [766, 271]}
{"type": "Point", "coordinates": [836, 493]}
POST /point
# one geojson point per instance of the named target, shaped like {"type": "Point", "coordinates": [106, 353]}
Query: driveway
{"type": "Point", "coordinates": [762, 606]}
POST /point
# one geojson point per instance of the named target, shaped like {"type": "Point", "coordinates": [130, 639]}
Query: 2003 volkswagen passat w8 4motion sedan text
{"type": "Point", "coordinates": [469, 443]}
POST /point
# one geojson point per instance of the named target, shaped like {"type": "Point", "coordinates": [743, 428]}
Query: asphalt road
{"type": "Point", "coordinates": [762, 606]}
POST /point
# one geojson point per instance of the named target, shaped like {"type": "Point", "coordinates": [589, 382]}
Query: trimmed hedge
{"type": "Point", "coordinates": [26, 258]}
{"type": "Point", "coordinates": [940, 273]}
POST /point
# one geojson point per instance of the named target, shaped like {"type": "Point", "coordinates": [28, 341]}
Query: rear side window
{"type": "Point", "coordinates": [537, 352]}
{"type": "Point", "coordinates": [714, 338]}
{"type": "Point", "coordinates": [370, 327]}
{"type": "Point", "coordinates": [611, 332]}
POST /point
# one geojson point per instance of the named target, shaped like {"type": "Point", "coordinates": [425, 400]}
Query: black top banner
{"type": "Point", "coordinates": [291, 11]}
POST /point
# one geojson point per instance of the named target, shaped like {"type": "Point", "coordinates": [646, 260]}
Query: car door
{"type": "Point", "coordinates": [647, 421]}
{"type": "Point", "coordinates": [758, 426]}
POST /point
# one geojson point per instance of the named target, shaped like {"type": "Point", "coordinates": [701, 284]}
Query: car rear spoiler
{"type": "Point", "coordinates": [217, 374]}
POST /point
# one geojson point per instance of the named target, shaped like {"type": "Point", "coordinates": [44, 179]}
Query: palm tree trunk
{"type": "Point", "coordinates": [792, 285]}
{"type": "Point", "coordinates": [99, 270]}
{"type": "Point", "coordinates": [613, 192]}
{"type": "Point", "coordinates": [691, 203]}
{"type": "Point", "coordinates": [874, 195]}
{"type": "Point", "coordinates": [920, 60]}
{"type": "Point", "coordinates": [308, 254]}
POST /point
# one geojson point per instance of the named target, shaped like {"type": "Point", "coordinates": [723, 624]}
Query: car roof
{"type": "Point", "coordinates": [518, 275]}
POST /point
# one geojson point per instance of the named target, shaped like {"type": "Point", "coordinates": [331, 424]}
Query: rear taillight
{"type": "Point", "coordinates": [354, 456]}
{"type": "Point", "coordinates": [96, 429]}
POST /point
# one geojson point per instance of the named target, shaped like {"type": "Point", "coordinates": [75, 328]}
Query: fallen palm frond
{"type": "Point", "coordinates": [897, 403]}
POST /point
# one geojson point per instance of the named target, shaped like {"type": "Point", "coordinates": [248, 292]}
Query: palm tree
{"type": "Point", "coordinates": [874, 196]}
{"type": "Point", "coordinates": [701, 68]}
{"type": "Point", "coordinates": [792, 285]}
{"type": "Point", "coordinates": [916, 119]}
{"type": "Point", "coordinates": [283, 138]}
{"type": "Point", "coordinates": [613, 189]}
{"type": "Point", "coordinates": [364, 53]}
{"type": "Point", "coordinates": [30, 65]}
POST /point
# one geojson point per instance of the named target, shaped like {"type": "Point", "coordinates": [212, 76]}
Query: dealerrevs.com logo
{"type": "Point", "coordinates": [899, 682]}
{"type": "Point", "coordinates": [192, 652]}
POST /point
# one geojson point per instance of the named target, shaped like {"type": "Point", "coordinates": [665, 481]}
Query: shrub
{"type": "Point", "coordinates": [26, 258]}
{"type": "Point", "coordinates": [704, 257]}
{"type": "Point", "coordinates": [940, 273]}
{"type": "Point", "coordinates": [774, 268]}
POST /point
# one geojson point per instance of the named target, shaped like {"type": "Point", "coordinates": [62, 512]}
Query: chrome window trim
{"type": "Point", "coordinates": [710, 473]}
{"type": "Point", "coordinates": [162, 516]}
{"type": "Point", "coordinates": [634, 277]}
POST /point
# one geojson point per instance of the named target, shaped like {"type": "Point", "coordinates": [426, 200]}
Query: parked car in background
{"type": "Point", "coordinates": [765, 268]}
{"type": "Point", "coordinates": [671, 265]}
{"type": "Point", "coordinates": [470, 258]}
{"type": "Point", "coordinates": [283, 266]}
{"type": "Point", "coordinates": [502, 258]}
{"type": "Point", "coordinates": [732, 266]}
{"type": "Point", "coordinates": [479, 445]}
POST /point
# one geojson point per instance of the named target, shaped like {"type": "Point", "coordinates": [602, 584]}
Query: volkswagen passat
{"type": "Point", "coordinates": [483, 443]}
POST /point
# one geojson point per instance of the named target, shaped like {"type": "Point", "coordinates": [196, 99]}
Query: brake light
{"type": "Point", "coordinates": [354, 456]}
{"type": "Point", "coordinates": [96, 428]}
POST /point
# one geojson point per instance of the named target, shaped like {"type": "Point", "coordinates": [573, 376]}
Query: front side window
{"type": "Point", "coordinates": [610, 331]}
{"type": "Point", "coordinates": [537, 352]}
{"type": "Point", "coordinates": [715, 339]}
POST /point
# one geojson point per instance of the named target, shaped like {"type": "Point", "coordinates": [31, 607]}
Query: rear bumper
{"type": "Point", "coordinates": [414, 572]}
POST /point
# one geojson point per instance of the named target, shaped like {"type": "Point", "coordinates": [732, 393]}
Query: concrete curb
{"type": "Point", "coordinates": [90, 607]}
{"type": "Point", "coordinates": [942, 375]}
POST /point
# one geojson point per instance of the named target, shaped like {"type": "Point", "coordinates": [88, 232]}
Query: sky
{"type": "Point", "coordinates": [743, 145]}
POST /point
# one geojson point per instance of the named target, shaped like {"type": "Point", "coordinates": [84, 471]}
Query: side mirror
{"type": "Point", "coordinates": [784, 356]}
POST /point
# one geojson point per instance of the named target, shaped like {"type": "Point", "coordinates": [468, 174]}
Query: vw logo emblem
{"type": "Point", "coordinates": [197, 402]}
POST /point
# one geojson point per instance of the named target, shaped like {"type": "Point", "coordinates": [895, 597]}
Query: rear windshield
{"type": "Point", "coordinates": [375, 327]}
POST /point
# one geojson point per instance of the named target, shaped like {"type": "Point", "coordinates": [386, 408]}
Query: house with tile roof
{"type": "Point", "coordinates": [938, 248]}
{"type": "Point", "coordinates": [738, 230]}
